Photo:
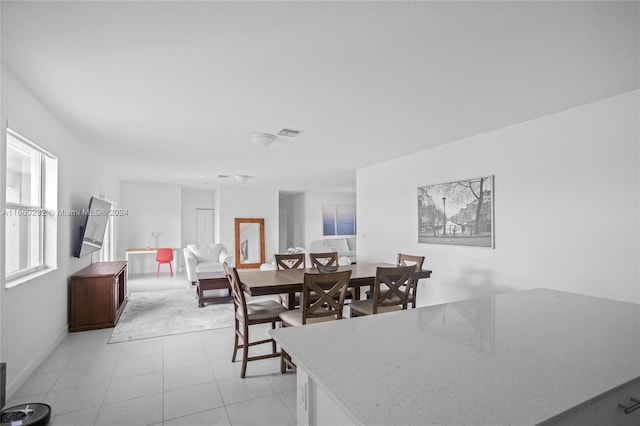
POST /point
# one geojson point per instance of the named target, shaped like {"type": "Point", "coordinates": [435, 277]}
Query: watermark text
{"type": "Point", "coordinates": [30, 212]}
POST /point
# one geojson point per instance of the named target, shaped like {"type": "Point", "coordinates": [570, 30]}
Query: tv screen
{"type": "Point", "coordinates": [95, 225]}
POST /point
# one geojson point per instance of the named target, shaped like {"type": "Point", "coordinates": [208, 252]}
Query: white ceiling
{"type": "Point", "coordinates": [178, 86]}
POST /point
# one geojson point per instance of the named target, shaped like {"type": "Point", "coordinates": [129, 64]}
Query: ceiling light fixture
{"type": "Point", "coordinates": [241, 178]}
{"type": "Point", "coordinates": [262, 139]}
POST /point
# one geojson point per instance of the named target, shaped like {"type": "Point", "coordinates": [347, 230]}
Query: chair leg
{"type": "Point", "coordinates": [171, 268]}
{"type": "Point", "coordinates": [273, 343]}
{"type": "Point", "coordinates": [245, 351]}
{"type": "Point", "coordinates": [235, 343]}
{"type": "Point", "coordinates": [158, 271]}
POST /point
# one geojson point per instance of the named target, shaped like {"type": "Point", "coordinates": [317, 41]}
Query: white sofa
{"type": "Point", "coordinates": [205, 258]}
{"type": "Point", "coordinates": [346, 247]}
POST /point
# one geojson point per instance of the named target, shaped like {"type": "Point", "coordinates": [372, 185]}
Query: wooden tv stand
{"type": "Point", "coordinates": [98, 296]}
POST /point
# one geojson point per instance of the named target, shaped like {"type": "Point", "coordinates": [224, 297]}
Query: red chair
{"type": "Point", "coordinates": [164, 255]}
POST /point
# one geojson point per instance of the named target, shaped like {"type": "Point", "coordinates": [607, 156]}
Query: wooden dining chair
{"type": "Point", "coordinates": [290, 261]}
{"type": "Point", "coordinates": [247, 314]}
{"type": "Point", "coordinates": [328, 262]}
{"type": "Point", "coordinates": [390, 291]}
{"type": "Point", "coordinates": [322, 300]}
{"type": "Point", "coordinates": [323, 259]}
{"type": "Point", "coordinates": [408, 260]}
{"type": "Point", "coordinates": [417, 262]}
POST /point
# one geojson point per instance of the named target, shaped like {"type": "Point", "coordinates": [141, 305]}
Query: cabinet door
{"type": "Point", "coordinates": [608, 411]}
{"type": "Point", "coordinates": [585, 415]}
{"type": "Point", "coordinates": [93, 303]}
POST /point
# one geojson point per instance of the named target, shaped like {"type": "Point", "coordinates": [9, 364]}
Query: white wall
{"type": "Point", "coordinates": [34, 315]}
{"type": "Point", "coordinates": [304, 213]}
{"type": "Point", "coordinates": [154, 208]}
{"type": "Point", "coordinates": [566, 206]}
{"type": "Point", "coordinates": [283, 226]}
{"type": "Point", "coordinates": [248, 203]}
{"type": "Point", "coordinates": [192, 199]}
{"type": "Point", "coordinates": [313, 212]}
{"type": "Point", "coordinates": [296, 221]}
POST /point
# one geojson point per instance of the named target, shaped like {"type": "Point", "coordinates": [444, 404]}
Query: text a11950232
{"type": "Point", "coordinates": [22, 211]}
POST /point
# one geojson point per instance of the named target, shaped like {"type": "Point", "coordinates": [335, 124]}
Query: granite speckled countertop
{"type": "Point", "coordinates": [516, 358]}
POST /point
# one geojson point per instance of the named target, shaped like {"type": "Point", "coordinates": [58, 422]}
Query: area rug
{"type": "Point", "coordinates": [164, 313]}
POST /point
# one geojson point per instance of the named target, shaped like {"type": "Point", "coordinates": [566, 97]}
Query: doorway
{"type": "Point", "coordinates": [204, 226]}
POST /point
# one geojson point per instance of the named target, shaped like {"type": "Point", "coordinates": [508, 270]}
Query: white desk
{"type": "Point", "coordinates": [522, 358]}
{"type": "Point", "coordinates": [148, 250]}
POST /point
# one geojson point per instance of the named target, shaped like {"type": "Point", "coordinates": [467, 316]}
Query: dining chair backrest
{"type": "Point", "coordinates": [324, 259]}
{"type": "Point", "coordinates": [164, 255]}
{"type": "Point", "coordinates": [392, 286]}
{"type": "Point", "coordinates": [290, 261]}
{"type": "Point", "coordinates": [410, 260]}
{"type": "Point", "coordinates": [418, 262]}
{"type": "Point", "coordinates": [323, 294]}
{"type": "Point", "coordinates": [239, 301]}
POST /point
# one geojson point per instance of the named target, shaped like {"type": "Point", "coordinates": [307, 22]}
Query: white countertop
{"type": "Point", "coordinates": [516, 358]}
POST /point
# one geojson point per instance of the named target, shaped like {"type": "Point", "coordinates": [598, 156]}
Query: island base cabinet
{"type": "Point", "coordinates": [98, 295]}
{"type": "Point", "coordinates": [609, 412]}
{"type": "Point", "coordinates": [315, 407]}
{"type": "Point", "coordinates": [604, 410]}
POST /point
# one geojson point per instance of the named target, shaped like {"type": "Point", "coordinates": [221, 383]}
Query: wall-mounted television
{"type": "Point", "coordinates": [93, 230]}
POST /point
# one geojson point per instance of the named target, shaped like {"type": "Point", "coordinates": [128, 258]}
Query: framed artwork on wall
{"type": "Point", "coordinates": [338, 220]}
{"type": "Point", "coordinates": [457, 213]}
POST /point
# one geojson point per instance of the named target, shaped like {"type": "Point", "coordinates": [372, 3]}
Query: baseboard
{"type": "Point", "coordinates": [33, 365]}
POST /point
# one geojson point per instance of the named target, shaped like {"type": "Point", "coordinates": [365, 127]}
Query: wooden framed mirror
{"type": "Point", "coordinates": [249, 252]}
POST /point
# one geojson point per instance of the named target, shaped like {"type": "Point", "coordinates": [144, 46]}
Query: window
{"type": "Point", "coordinates": [31, 191]}
{"type": "Point", "coordinates": [338, 220]}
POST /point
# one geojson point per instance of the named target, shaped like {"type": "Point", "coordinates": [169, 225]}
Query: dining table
{"type": "Point", "coordinates": [262, 283]}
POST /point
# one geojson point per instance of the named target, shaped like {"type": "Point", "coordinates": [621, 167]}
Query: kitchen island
{"type": "Point", "coordinates": [523, 358]}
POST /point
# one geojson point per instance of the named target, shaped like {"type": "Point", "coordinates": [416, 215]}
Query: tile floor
{"type": "Point", "coordinates": [186, 379]}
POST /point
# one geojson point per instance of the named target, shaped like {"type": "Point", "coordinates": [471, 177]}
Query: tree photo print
{"type": "Point", "coordinates": [459, 213]}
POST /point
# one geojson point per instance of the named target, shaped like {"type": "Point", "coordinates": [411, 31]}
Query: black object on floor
{"type": "Point", "coordinates": [32, 414]}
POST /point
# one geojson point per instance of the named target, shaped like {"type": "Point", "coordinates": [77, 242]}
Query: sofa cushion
{"type": "Point", "coordinates": [210, 267]}
{"type": "Point", "coordinates": [339, 244]}
{"type": "Point", "coordinates": [352, 244]}
{"type": "Point", "coordinates": [206, 252]}
{"type": "Point", "coordinates": [318, 246]}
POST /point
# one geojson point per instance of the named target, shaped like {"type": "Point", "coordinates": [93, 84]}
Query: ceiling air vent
{"type": "Point", "coordinates": [290, 132]}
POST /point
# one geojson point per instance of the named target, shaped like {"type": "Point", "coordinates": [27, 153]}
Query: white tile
{"type": "Point", "coordinates": [99, 355]}
{"type": "Point", "coordinates": [38, 383]}
{"type": "Point", "coordinates": [76, 399]}
{"type": "Point", "coordinates": [217, 336]}
{"type": "Point", "coordinates": [53, 364]}
{"type": "Point", "coordinates": [269, 365]}
{"type": "Point", "coordinates": [181, 342]}
{"type": "Point", "coordinates": [141, 348]}
{"type": "Point", "coordinates": [191, 400]}
{"type": "Point", "coordinates": [136, 366]}
{"type": "Point", "coordinates": [268, 410]}
{"type": "Point", "coordinates": [85, 374]}
{"type": "Point", "coordinates": [237, 390]}
{"type": "Point", "coordinates": [19, 400]}
{"type": "Point", "coordinates": [184, 377]}
{"type": "Point", "coordinates": [143, 411]}
{"type": "Point", "coordinates": [290, 398]}
{"type": "Point", "coordinates": [219, 351]}
{"type": "Point", "coordinates": [134, 386]}
{"type": "Point", "coordinates": [177, 359]}
{"type": "Point", "coordinates": [170, 379]}
{"type": "Point", "coordinates": [225, 369]}
{"type": "Point", "coordinates": [282, 382]}
{"type": "Point", "coordinates": [217, 417]}
{"type": "Point", "coordinates": [77, 418]}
